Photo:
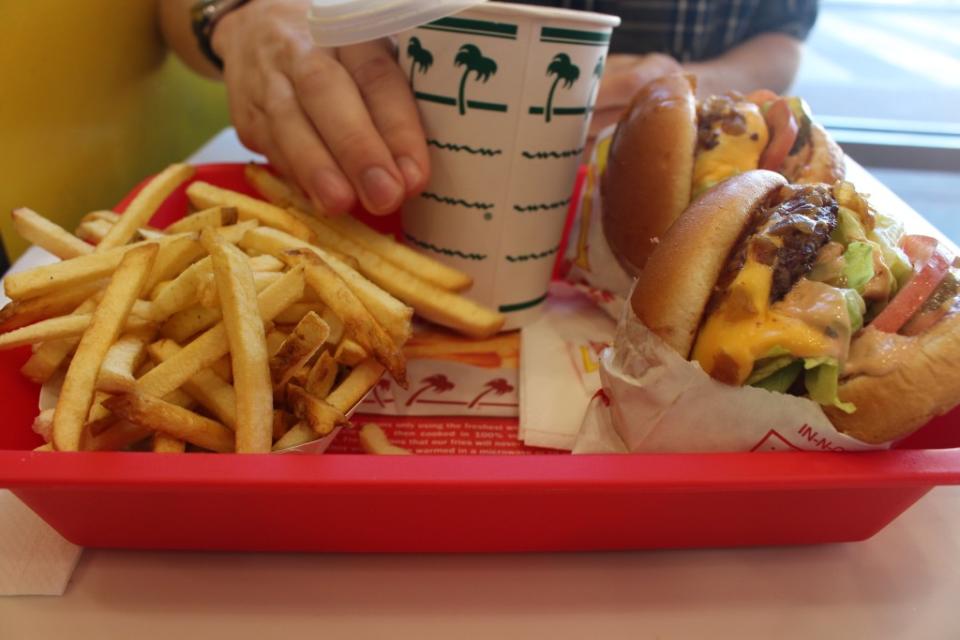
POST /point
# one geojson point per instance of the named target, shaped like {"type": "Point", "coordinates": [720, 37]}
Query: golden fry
{"type": "Point", "coordinates": [212, 217]}
{"type": "Point", "coordinates": [20, 313]}
{"type": "Point", "coordinates": [205, 386]}
{"type": "Point", "coordinates": [61, 327]}
{"type": "Point", "coordinates": [120, 363]}
{"type": "Point", "coordinates": [61, 277]}
{"type": "Point", "coordinates": [392, 315]}
{"type": "Point", "coordinates": [298, 347]}
{"type": "Point", "coordinates": [298, 434]}
{"type": "Point", "coordinates": [189, 322]}
{"type": "Point", "coordinates": [248, 344]}
{"type": "Point", "coordinates": [355, 386]}
{"type": "Point", "coordinates": [318, 414]}
{"type": "Point", "coordinates": [162, 443]}
{"type": "Point", "coordinates": [349, 353]}
{"type": "Point", "coordinates": [145, 204]}
{"type": "Point", "coordinates": [181, 292]}
{"type": "Point", "coordinates": [374, 440]}
{"type": "Point", "coordinates": [321, 376]}
{"type": "Point", "coordinates": [434, 303]}
{"type": "Point", "coordinates": [203, 194]}
{"type": "Point", "coordinates": [48, 235]}
{"type": "Point", "coordinates": [76, 395]}
{"type": "Point", "coordinates": [275, 190]}
{"type": "Point", "coordinates": [376, 253]}
{"type": "Point", "coordinates": [358, 322]}
{"type": "Point", "coordinates": [158, 415]}
{"type": "Point", "coordinates": [93, 231]}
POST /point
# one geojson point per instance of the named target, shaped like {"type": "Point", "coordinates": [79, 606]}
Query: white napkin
{"type": "Point", "coordinates": [559, 367]}
{"type": "Point", "coordinates": [34, 559]}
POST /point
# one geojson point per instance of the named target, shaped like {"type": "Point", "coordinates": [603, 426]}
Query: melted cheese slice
{"type": "Point", "coordinates": [733, 154]}
{"type": "Point", "coordinates": [744, 328]}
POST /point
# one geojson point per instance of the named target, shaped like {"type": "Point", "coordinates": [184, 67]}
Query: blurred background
{"type": "Point", "coordinates": [899, 62]}
{"type": "Point", "coordinates": [90, 101]}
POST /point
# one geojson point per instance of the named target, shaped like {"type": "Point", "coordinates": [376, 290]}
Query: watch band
{"type": "Point", "coordinates": [204, 17]}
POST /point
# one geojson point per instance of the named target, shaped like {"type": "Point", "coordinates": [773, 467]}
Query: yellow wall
{"type": "Point", "coordinates": [90, 103]}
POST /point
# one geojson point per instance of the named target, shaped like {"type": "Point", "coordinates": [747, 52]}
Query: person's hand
{"type": "Point", "coordinates": [622, 77]}
{"type": "Point", "coordinates": [341, 122]}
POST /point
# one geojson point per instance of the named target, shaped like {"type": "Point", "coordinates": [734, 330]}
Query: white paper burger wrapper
{"type": "Point", "coordinates": [655, 401]}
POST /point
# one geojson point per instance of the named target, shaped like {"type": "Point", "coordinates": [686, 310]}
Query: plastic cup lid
{"type": "Point", "coordinates": [335, 23]}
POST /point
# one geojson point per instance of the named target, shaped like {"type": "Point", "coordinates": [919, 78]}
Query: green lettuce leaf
{"type": "Point", "coordinates": [856, 307]}
{"type": "Point", "coordinates": [858, 264]}
{"type": "Point", "coordinates": [848, 228]}
{"type": "Point", "coordinates": [781, 379]}
{"type": "Point", "coordinates": [766, 367]}
{"type": "Point", "coordinates": [887, 233]}
{"type": "Point", "coordinates": [822, 381]}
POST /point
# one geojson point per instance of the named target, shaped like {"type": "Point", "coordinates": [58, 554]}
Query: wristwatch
{"type": "Point", "coordinates": [204, 17]}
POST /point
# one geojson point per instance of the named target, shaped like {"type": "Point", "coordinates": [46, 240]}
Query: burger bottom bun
{"type": "Point", "coordinates": [820, 161]}
{"type": "Point", "coordinates": [673, 290]}
{"type": "Point", "coordinates": [922, 382]}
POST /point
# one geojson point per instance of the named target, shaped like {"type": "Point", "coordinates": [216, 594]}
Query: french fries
{"type": "Point", "coordinates": [76, 395]}
{"type": "Point", "coordinates": [145, 204]}
{"type": "Point", "coordinates": [16, 314]}
{"type": "Point", "coordinates": [319, 415]}
{"type": "Point", "coordinates": [48, 235]}
{"type": "Point", "coordinates": [122, 359]}
{"type": "Point", "coordinates": [161, 416]}
{"type": "Point", "coordinates": [212, 217]}
{"type": "Point", "coordinates": [357, 321]}
{"type": "Point", "coordinates": [297, 349]}
{"type": "Point", "coordinates": [205, 386]}
{"type": "Point", "coordinates": [374, 440]}
{"type": "Point", "coordinates": [284, 195]}
{"type": "Point", "coordinates": [247, 341]}
{"type": "Point", "coordinates": [212, 345]}
{"type": "Point", "coordinates": [243, 327]}
{"type": "Point", "coordinates": [391, 314]}
{"type": "Point", "coordinates": [203, 194]}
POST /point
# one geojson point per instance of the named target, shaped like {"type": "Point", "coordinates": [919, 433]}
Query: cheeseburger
{"type": "Point", "coordinates": [668, 149]}
{"type": "Point", "coordinates": [805, 289]}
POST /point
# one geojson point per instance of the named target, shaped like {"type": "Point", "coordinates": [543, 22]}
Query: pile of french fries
{"type": "Point", "coordinates": [247, 326]}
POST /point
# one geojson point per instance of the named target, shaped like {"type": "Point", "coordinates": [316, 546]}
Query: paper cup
{"type": "Point", "coordinates": [505, 94]}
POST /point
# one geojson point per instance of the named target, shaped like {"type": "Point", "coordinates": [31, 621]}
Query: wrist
{"type": "Point", "coordinates": [206, 16]}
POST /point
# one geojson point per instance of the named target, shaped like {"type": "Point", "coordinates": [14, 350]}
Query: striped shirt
{"type": "Point", "coordinates": [692, 30]}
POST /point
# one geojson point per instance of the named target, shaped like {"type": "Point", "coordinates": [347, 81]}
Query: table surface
{"type": "Point", "coordinates": [902, 583]}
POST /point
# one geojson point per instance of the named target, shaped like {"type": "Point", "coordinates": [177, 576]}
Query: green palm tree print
{"type": "Point", "coordinates": [420, 59]}
{"type": "Point", "coordinates": [564, 70]}
{"type": "Point", "coordinates": [471, 58]}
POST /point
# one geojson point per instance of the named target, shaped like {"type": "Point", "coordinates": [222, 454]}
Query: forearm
{"type": "Point", "coordinates": [769, 60]}
{"type": "Point", "coordinates": [174, 17]}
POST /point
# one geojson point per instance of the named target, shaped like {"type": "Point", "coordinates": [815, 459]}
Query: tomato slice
{"type": "Point", "coordinates": [918, 248]}
{"type": "Point", "coordinates": [908, 301]}
{"type": "Point", "coordinates": [783, 133]}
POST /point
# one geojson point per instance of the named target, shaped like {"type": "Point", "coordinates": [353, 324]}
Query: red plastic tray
{"type": "Point", "coordinates": [459, 503]}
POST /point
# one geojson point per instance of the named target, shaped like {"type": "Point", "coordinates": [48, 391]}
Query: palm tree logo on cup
{"type": "Point", "coordinates": [565, 71]}
{"type": "Point", "coordinates": [471, 58]}
{"type": "Point", "coordinates": [421, 59]}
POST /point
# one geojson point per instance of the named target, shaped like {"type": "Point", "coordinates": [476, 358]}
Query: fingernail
{"type": "Point", "coordinates": [381, 189]}
{"type": "Point", "coordinates": [411, 172]}
{"type": "Point", "coordinates": [333, 190]}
